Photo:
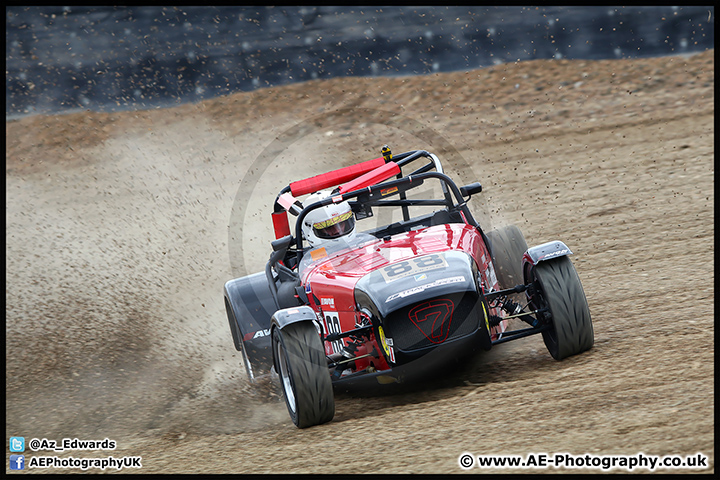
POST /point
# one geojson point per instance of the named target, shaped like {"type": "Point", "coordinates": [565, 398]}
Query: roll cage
{"type": "Point", "coordinates": [369, 186]}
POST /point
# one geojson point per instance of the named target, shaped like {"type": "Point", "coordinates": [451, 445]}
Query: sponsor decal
{"type": "Point", "coordinates": [492, 279]}
{"type": "Point", "coordinates": [422, 288]}
{"type": "Point", "coordinates": [433, 318]}
{"type": "Point", "coordinates": [422, 276]}
{"type": "Point", "coordinates": [337, 199]}
{"type": "Point", "coordinates": [388, 191]}
{"type": "Point", "coordinates": [327, 302]}
{"type": "Point", "coordinates": [258, 334]}
{"type": "Point", "coordinates": [564, 251]}
{"type": "Point", "coordinates": [319, 253]}
{"type": "Point", "coordinates": [383, 341]}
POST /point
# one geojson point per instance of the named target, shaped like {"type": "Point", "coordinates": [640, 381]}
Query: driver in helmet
{"type": "Point", "coordinates": [331, 222]}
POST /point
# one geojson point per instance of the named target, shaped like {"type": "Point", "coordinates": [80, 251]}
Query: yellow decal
{"type": "Point", "coordinates": [487, 322]}
{"type": "Point", "coordinates": [318, 254]}
{"type": "Point", "coordinates": [382, 341]}
{"type": "Point", "coordinates": [332, 221]}
{"type": "Point", "coordinates": [387, 191]}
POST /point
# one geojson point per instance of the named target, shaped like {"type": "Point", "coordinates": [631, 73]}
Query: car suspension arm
{"type": "Point", "coordinates": [508, 291]}
{"type": "Point", "coordinates": [525, 332]}
{"type": "Point", "coordinates": [348, 360]}
{"type": "Point", "coordinates": [333, 337]}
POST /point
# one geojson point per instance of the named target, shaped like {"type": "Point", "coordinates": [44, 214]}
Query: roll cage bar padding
{"type": "Point", "coordinates": [346, 174]}
{"type": "Point", "coordinates": [372, 177]}
{"type": "Point", "coordinates": [335, 177]}
{"type": "Point", "coordinates": [281, 224]}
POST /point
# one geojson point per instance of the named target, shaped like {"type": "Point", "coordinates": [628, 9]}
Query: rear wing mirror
{"type": "Point", "coordinates": [471, 189]}
{"type": "Point", "coordinates": [282, 244]}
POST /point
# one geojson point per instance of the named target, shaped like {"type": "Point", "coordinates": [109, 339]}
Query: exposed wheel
{"type": "Point", "coordinates": [559, 289]}
{"type": "Point", "coordinates": [507, 245]}
{"type": "Point", "coordinates": [304, 376]}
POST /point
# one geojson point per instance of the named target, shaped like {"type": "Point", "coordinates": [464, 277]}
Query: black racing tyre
{"type": "Point", "coordinates": [507, 246]}
{"type": "Point", "coordinates": [562, 293]}
{"type": "Point", "coordinates": [304, 376]}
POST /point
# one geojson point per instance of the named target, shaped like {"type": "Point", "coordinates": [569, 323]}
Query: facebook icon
{"type": "Point", "coordinates": [17, 462]}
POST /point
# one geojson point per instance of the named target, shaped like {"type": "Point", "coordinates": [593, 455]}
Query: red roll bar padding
{"type": "Point", "coordinates": [371, 178]}
{"type": "Point", "coordinates": [336, 177]}
{"type": "Point", "coordinates": [281, 224]}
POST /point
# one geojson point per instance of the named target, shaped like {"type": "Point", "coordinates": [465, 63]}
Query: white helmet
{"type": "Point", "coordinates": [329, 222]}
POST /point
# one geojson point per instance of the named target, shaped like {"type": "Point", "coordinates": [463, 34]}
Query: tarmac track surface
{"type": "Point", "coordinates": [118, 245]}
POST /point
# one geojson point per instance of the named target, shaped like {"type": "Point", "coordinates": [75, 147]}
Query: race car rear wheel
{"type": "Point", "coordinates": [507, 246]}
{"type": "Point", "coordinates": [304, 376]}
{"type": "Point", "coordinates": [562, 293]}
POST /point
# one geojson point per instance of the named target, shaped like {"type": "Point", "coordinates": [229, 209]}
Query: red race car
{"type": "Point", "coordinates": [339, 305]}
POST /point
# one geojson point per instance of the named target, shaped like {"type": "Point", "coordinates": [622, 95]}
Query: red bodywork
{"type": "Point", "coordinates": [332, 280]}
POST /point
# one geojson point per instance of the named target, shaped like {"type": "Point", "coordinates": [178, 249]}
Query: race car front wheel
{"type": "Point", "coordinates": [561, 292]}
{"type": "Point", "coordinates": [304, 376]}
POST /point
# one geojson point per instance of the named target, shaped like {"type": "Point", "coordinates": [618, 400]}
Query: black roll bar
{"type": "Point", "coordinates": [461, 204]}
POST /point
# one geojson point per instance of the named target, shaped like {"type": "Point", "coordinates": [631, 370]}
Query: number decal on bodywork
{"type": "Point", "coordinates": [332, 322]}
{"type": "Point", "coordinates": [413, 266]}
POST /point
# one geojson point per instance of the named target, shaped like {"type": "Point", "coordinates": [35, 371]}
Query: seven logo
{"type": "Point", "coordinates": [433, 318]}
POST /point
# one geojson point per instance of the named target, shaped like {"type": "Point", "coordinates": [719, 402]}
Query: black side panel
{"type": "Point", "coordinates": [252, 307]}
